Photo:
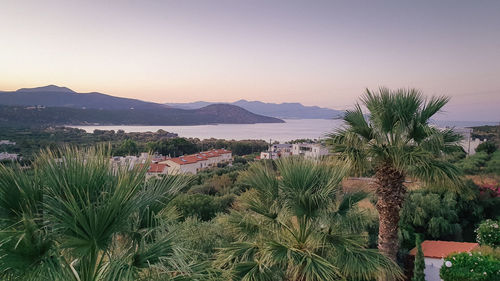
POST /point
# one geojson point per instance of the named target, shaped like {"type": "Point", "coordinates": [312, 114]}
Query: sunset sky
{"type": "Point", "coordinates": [315, 52]}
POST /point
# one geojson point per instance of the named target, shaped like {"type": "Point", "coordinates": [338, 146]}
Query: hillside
{"type": "Point", "coordinates": [49, 116]}
{"type": "Point", "coordinates": [281, 110]}
{"type": "Point", "coordinates": [55, 96]}
{"type": "Point", "coordinates": [62, 106]}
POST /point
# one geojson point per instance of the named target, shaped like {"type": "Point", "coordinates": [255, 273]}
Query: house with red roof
{"type": "Point", "coordinates": [436, 251]}
{"type": "Point", "coordinates": [193, 163]}
{"type": "Point", "coordinates": [156, 168]}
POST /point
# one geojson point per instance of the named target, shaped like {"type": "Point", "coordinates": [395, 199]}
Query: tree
{"type": "Point", "coordinates": [487, 146]}
{"type": "Point", "coordinates": [396, 141]}
{"type": "Point", "coordinates": [297, 224]}
{"type": "Point", "coordinates": [173, 146]}
{"type": "Point", "coordinates": [418, 271]}
{"type": "Point", "coordinates": [75, 217]}
{"type": "Point", "coordinates": [127, 147]}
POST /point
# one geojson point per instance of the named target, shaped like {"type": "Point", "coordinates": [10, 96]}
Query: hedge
{"type": "Point", "coordinates": [488, 233]}
{"type": "Point", "coordinates": [470, 267]}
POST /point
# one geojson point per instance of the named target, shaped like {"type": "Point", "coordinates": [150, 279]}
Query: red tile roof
{"type": "Point", "coordinates": [204, 155]}
{"type": "Point", "coordinates": [183, 160]}
{"type": "Point", "coordinates": [157, 168]}
{"type": "Point", "coordinates": [441, 249]}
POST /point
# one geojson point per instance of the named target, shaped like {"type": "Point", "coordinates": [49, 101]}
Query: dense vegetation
{"type": "Point", "coordinates": [397, 142]}
{"type": "Point", "coordinates": [71, 216]}
{"type": "Point", "coordinates": [75, 218]}
{"type": "Point", "coordinates": [51, 116]}
{"type": "Point", "coordinates": [483, 263]}
{"type": "Point", "coordinates": [442, 214]}
{"type": "Point", "coordinates": [300, 225]}
{"type": "Point", "coordinates": [475, 266]}
{"type": "Point", "coordinates": [67, 215]}
{"type": "Point", "coordinates": [490, 133]}
{"type": "Point", "coordinates": [30, 141]}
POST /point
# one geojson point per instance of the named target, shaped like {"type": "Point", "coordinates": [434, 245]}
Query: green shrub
{"type": "Point", "coordinates": [202, 238]}
{"type": "Point", "coordinates": [435, 215]}
{"type": "Point", "coordinates": [474, 163]}
{"type": "Point", "coordinates": [488, 233]}
{"type": "Point", "coordinates": [493, 165]}
{"type": "Point", "coordinates": [487, 146]}
{"type": "Point", "coordinates": [203, 206]}
{"type": "Point", "coordinates": [470, 267]}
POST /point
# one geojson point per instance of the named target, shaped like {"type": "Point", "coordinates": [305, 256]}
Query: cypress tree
{"type": "Point", "coordinates": [418, 271]}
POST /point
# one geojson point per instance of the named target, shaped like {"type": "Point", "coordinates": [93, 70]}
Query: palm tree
{"type": "Point", "coordinates": [75, 217]}
{"type": "Point", "coordinates": [396, 141]}
{"type": "Point", "coordinates": [296, 224]}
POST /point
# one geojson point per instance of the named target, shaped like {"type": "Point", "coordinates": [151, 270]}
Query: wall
{"type": "Point", "coordinates": [432, 267]}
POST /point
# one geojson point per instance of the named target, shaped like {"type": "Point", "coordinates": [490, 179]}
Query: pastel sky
{"type": "Point", "coordinates": [315, 52]}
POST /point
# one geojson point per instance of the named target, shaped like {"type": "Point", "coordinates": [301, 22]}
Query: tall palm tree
{"type": "Point", "coordinates": [296, 224]}
{"type": "Point", "coordinates": [74, 216]}
{"type": "Point", "coordinates": [395, 140]}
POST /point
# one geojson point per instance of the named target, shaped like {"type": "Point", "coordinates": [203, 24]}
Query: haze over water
{"type": "Point", "coordinates": [282, 132]}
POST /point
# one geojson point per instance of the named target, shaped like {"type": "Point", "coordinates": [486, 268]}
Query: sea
{"type": "Point", "coordinates": [290, 130]}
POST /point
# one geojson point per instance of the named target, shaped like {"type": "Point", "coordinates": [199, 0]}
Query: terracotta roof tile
{"type": "Point", "coordinates": [441, 249]}
{"type": "Point", "coordinates": [193, 158]}
{"type": "Point", "coordinates": [157, 168]}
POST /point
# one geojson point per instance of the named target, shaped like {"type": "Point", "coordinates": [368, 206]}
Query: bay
{"type": "Point", "coordinates": [290, 130]}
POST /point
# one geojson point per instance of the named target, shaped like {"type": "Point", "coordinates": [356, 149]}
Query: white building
{"type": "Point", "coordinates": [312, 150]}
{"type": "Point", "coordinates": [282, 149]}
{"type": "Point", "coordinates": [130, 161]}
{"type": "Point", "coordinates": [7, 142]}
{"type": "Point", "coordinates": [156, 170]}
{"type": "Point", "coordinates": [269, 155]}
{"type": "Point", "coordinates": [436, 251]}
{"type": "Point", "coordinates": [276, 151]}
{"type": "Point", "coordinates": [192, 164]}
{"type": "Point", "coordinates": [468, 143]}
{"type": "Point", "coordinates": [8, 156]}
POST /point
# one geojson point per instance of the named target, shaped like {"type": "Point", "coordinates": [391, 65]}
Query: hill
{"type": "Point", "coordinates": [55, 96]}
{"type": "Point", "coordinates": [281, 110]}
{"type": "Point", "coordinates": [53, 105]}
{"type": "Point", "coordinates": [51, 116]}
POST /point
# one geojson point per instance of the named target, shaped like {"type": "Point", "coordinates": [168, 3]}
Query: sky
{"type": "Point", "coordinates": [323, 53]}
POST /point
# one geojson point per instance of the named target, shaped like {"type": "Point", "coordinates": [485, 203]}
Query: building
{"type": "Point", "coordinates": [436, 251]}
{"type": "Point", "coordinates": [269, 155]}
{"type": "Point", "coordinates": [8, 156]}
{"type": "Point", "coordinates": [282, 149]}
{"type": "Point", "coordinates": [129, 161]}
{"type": "Point", "coordinates": [311, 150]}
{"type": "Point", "coordinates": [276, 151]}
{"type": "Point", "coordinates": [468, 143]}
{"type": "Point", "coordinates": [192, 164]}
{"type": "Point", "coordinates": [7, 142]}
{"type": "Point", "coordinates": [156, 169]}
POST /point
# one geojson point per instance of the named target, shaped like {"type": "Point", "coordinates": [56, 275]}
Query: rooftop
{"type": "Point", "coordinates": [193, 158]}
{"type": "Point", "coordinates": [441, 249]}
{"type": "Point", "coordinates": [157, 168]}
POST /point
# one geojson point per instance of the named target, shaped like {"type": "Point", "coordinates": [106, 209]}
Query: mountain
{"type": "Point", "coordinates": [53, 105]}
{"type": "Point", "coordinates": [47, 89]}
{"type": "Point", "coordinates": [50, 116]}
{"type": "Point", "coordinates": [281, 110]}
{"type": "Point", "coordinates": [63, 97]}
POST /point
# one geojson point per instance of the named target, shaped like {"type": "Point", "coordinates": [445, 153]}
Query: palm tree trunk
{"type": "Point", "coordinates": [390, 192]}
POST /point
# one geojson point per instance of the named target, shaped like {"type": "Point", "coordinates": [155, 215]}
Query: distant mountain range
{"type": "Point", "coordinates": [63, 97]}
{"type": "Point", "coordinates": [281, 110]}
{"type": "Point", "coordinates": [53, 105]}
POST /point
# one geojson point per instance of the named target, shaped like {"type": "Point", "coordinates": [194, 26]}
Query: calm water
{"type": "Point", "coordinates": [292, 129]}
